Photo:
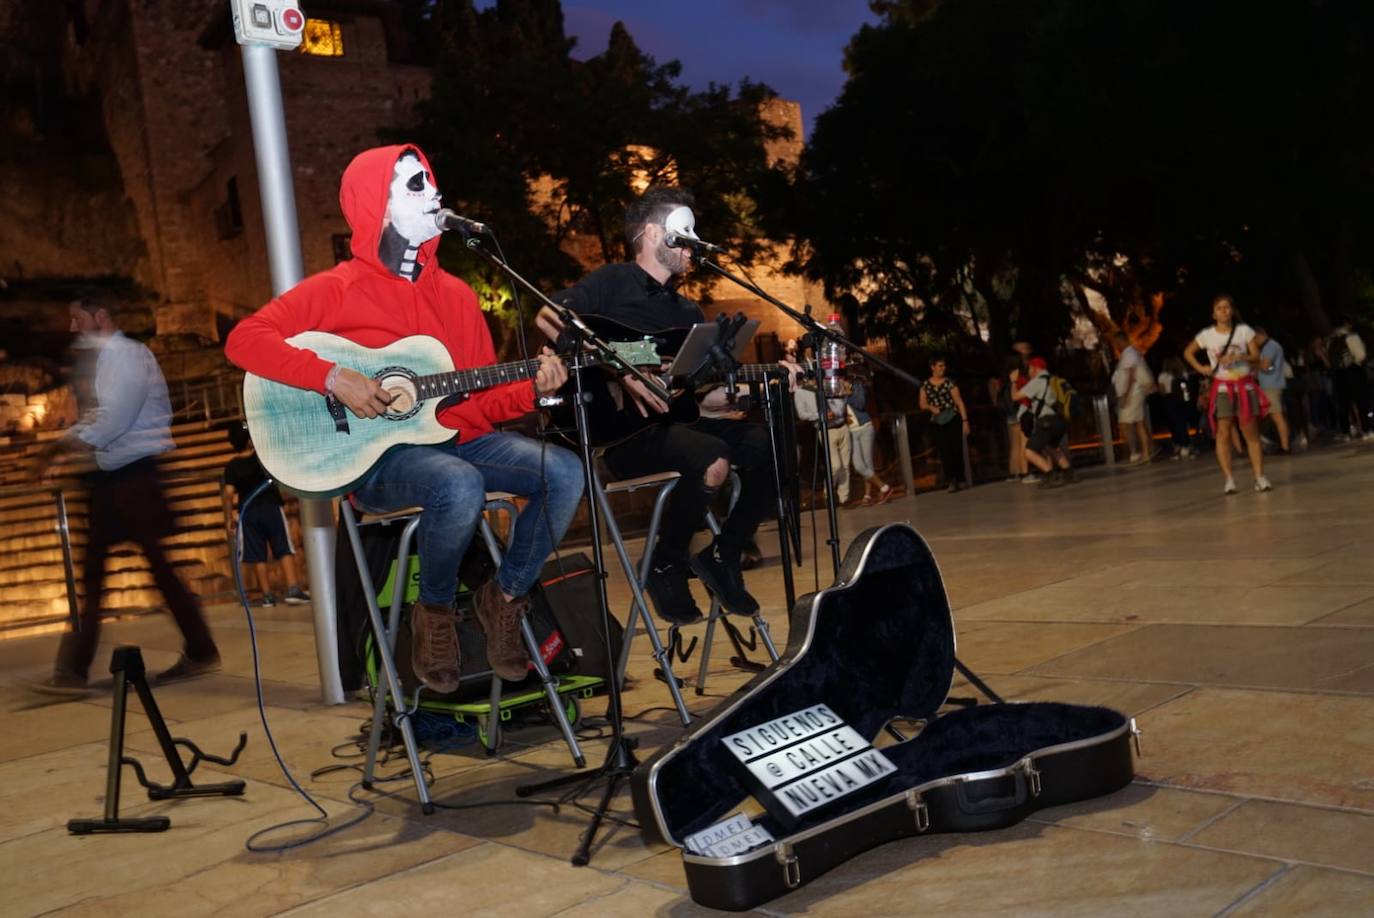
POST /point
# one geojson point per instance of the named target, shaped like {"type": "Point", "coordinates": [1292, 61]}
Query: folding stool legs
{"type": "Point", "coordinates": [636, 578]}
{"type": "Point", "coordinates": [383, 642]}
{"type": "Point", "coordinates": [546, 678]}
{"type": "Point", "coordinates": [392, 631]}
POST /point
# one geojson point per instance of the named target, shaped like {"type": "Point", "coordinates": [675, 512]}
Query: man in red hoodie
{"type": "Point", "coordinates": [393, 287]}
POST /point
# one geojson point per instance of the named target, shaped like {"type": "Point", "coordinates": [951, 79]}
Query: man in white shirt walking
{"type": "Point", "coordinates": [125, 429]}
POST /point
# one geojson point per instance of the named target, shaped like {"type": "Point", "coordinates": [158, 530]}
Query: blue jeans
{"type": "Point", "coordinates": [450, 482]}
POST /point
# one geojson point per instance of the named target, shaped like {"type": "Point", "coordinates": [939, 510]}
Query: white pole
{"type": "Point", "coordinates": [284, 257]}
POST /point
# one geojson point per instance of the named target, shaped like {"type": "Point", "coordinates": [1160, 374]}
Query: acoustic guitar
{"type": "Point", "coordinates": [314, 447]}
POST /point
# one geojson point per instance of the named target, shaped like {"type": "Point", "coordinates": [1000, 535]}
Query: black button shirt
{"type": "Point", "coordinates": [625, 293]}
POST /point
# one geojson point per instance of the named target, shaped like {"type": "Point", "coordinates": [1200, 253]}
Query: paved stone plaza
{"type": "Point", "coordinates": [1238, 631]}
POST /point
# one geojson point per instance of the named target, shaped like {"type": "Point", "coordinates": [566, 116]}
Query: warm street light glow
{"type": "Point", "coordinates": [322, 38]}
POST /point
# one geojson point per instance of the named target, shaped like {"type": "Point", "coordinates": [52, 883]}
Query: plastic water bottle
{"type": "Point", "coordinates": [832, 360]}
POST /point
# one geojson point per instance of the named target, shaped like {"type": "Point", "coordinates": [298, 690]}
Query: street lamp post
{"type": "Point", "coordinates": [261, 28]}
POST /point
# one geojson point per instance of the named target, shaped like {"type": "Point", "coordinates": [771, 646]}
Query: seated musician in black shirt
{"type": "Point", "coordinates": [642, 295]}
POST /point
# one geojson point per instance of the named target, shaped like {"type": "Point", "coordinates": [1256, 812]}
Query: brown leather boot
{"type": "Point", "coordinates": [434, 653]}
{"type": "Point", "coordinates": [500, 620]}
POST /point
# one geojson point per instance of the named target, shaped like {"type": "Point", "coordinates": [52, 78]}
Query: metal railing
{"type": "Point", "coordinates": [210, 399]}
{"type": "Point", "coordinates": [20, 498]}
{"type": "Point", "coordinates": [30, 498]}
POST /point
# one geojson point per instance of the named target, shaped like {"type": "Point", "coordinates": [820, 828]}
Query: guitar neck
{"type": "Point", "coordinates": [458, 382]}
{"type": "Point", "coordinates": [758, 372]}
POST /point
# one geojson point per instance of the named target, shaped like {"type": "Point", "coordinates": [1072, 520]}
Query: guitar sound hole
{"type": "Point", "coordinates": [404, 397]}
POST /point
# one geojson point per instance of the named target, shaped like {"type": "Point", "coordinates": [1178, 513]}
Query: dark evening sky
{"type": "Point", "coordinates": [795, 46]}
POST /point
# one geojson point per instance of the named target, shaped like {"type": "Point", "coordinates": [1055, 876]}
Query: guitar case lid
{"type": "Point", "coordinates": [878, 644]}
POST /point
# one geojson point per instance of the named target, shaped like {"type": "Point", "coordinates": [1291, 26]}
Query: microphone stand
{"type": "Point", "coordinates": [817, 333]}
{"type": "Point", "coordinates": [620, 760]}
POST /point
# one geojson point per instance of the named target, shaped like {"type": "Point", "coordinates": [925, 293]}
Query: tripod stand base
{"type": "Point", "coordinates": [620, 759]}
{"type": "Point", "coordinates": [620, 764]}
{"type": "Point", "coordinates": [128, 824]}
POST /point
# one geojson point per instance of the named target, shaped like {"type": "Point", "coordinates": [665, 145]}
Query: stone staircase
{"type": "Point", "coordinates": [33, 581]}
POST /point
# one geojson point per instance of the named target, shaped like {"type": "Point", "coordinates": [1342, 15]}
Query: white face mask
{"type": "Point", "coordinates": [413, 201]}
{"type": "Point", "coordinates": [681, 222]}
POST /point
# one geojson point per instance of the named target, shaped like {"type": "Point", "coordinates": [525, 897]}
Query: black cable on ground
{"type": "Point", "coordinates": [322, 820]}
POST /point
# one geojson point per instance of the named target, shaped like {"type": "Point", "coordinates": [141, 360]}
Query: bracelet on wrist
{"type": "Point", "coordinates": [331, 378]}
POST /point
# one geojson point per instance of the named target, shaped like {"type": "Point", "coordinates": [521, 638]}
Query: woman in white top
{"type": "Point", "coordinates": [1236, 399]}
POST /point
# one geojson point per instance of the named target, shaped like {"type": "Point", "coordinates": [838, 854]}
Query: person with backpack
{"type": "Point", "coordinates": [1181, 389]}
{"type": "Point", "coordinates": [1235, 399]}
{"type": "Point", "coordinates": [1043, 422]}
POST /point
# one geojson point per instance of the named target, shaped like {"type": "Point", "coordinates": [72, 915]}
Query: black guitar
{"type": "Point", "coordinates": [613, 419]}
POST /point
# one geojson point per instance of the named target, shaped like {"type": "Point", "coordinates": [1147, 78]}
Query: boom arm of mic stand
{"type": "Point", "coordinates": [808, 322]}
{"type": "Point", "coordinates": [570, 319]}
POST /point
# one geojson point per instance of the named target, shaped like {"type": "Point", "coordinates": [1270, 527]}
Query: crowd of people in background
{"type": "Point", "coordinates": [1233, 390]}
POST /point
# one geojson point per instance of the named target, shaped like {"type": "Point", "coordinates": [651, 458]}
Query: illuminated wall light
{"type": "Point", "coordinates": [322, 38]}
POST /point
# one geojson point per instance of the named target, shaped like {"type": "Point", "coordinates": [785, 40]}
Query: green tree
{"type": "Point", "coordinates": [989, 161]}
{"type": "Point", "coordinates": [510, 108]}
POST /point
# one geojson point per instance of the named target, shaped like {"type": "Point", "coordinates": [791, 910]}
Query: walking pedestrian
{"type": "Point", "coordinates": [1000, 388]}
{"type": "Point", "coordinates": [124, 431]}
{"type": "Point", "coordinates": [1044, 426]}
{"type": "Point", "coordinates": [861, 437]}
{"type": "Point", "coordinates": [1180, 387]}
{"type": "Point", "coordinates": [1273, 382]}
{"type": "Point", "coordinates": [1133, 382]}
{"type": "Point", "coordinates": [1235, 398]}
{"type": "Point", "coordinates": [940, 396]}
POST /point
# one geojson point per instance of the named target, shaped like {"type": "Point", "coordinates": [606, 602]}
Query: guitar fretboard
{"type": "Point", "coordinates": [439, 385]}
{"type": "Point", "coordinates": [757, 372]}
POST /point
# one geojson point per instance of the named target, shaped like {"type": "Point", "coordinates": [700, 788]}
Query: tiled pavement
{"type": "Point", "coordinates": [1238, 631]}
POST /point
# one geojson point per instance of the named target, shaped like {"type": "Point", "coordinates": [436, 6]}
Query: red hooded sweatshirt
{"type": "Point", "coordinates": [362, 300]}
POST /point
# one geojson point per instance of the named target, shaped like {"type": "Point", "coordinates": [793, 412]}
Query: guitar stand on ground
{"type": "Point", "coordinates": [677, 651]}
{"type": "Point", "coordinates": [127, 666]}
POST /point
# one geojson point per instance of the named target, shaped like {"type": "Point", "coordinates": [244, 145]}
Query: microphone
{"type": "Point", "coordinates": [447, 220]}
{"type": "Point", "coordinates": [682, 241]}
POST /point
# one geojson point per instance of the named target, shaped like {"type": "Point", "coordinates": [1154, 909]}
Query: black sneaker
{"type": "Point", "coordinates": [751, 557]}
{"type": "Point", "coordinates": [672, 597]}
{"type": "Point", "coordinates": [1054, 479]}
{"type": "Point", "coordinates": [62, 683]}
{"type": "Point", "coordinates": [721, 574]}
{"type": "Point", "coordinates": [186, 668]}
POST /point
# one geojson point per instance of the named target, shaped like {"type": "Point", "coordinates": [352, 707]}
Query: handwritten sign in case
{"type": "Point", "coordinates": [805, 760]}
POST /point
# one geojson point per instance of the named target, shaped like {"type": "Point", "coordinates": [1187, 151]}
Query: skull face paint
{"type": "Point", "coordinates": [412, 202]}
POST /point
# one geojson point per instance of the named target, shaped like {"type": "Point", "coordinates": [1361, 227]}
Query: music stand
{"type": "Point", "coordinates": [694, 358]}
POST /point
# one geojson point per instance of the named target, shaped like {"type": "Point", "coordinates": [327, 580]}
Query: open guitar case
{"type": "Point", "coordinates": [876, 646]}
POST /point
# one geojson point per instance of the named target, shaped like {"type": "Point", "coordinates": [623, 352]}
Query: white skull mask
{"type": "Point", "coordinates": [413, 201]}
{"type": "Point", "coordinates": [681, 222]}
